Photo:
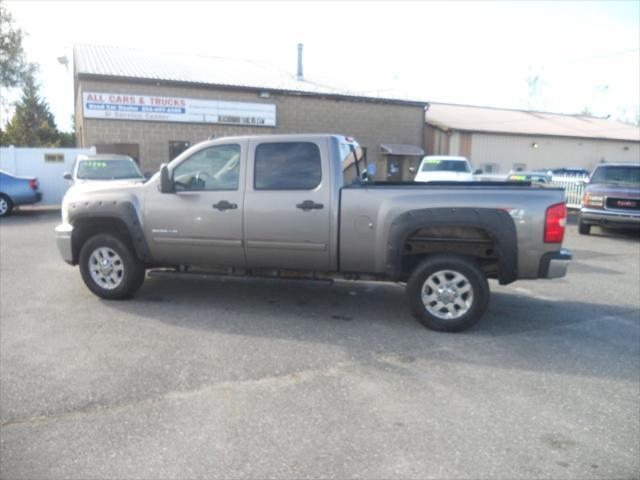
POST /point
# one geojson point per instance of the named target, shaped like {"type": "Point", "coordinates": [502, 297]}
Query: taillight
{"type": "Point", "coordinates": [555, 222]}
{"type": "Point", "coordinates": [33, 184]}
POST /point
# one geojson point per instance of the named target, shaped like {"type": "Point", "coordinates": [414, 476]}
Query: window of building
{"type": "Point", "coordinates": [54, 157]}
{"type": "Point", "coordinates": [287, 166]}
{"type": "Point", "coordinates": [490, 168]}
{"type": "Point", "coordinates": [176, 147]}
{"type": "Point", "coordinates": [213, 168]}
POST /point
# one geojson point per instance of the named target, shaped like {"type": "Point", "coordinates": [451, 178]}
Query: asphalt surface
{"type": "Point", "coordinates": [254, 378]}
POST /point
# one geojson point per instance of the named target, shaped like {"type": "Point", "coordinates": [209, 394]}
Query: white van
{"type": "Point", "coordinates": [444, 168]}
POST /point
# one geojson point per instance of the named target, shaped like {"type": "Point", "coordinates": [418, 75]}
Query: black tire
{"type": "Point", "coordinates": [133, 271]}
{"type": "Point", "coordinates": [5, 212]}
{"type": "Point", "coordinates": [456, 263]}
{"type": "Point", "coordinates": [583, 228]}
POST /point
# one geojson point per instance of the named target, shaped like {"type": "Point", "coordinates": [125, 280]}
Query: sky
{"type": "Point", "coordinates": [585, 54]}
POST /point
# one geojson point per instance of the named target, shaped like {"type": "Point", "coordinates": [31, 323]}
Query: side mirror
{"type": "Point", "coordinates": [478, 172]}
{"type": "Point", "coordinates": [581, 183]}
{"type": "Point", "coordinates": [166, 185]}
{"type": "Point", "coordinates": [67, 176]}
{"type": "Point", "coordinates": [147, 175]}
{"type": "Point", "coordinates": [413, 169]}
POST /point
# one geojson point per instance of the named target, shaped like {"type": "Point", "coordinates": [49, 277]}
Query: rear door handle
{"type": "Point", "coordinates": [224, 205]}
{"type": "Point", "coordinates": [309, 205]}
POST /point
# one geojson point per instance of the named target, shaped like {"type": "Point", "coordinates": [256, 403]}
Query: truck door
{"type": "Point", "coordinates": [288, 205]}
{"type": "Point", "coordinates": [201, 221]}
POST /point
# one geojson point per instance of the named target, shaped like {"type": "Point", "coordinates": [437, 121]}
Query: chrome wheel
{"type": "Point", "coordinates": [4, 206]}
{"type": "Point", "coordinates": [447, 294]}
{"type": "Point", "coordinates": [106, 268]}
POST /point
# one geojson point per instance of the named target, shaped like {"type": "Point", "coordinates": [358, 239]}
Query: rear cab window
{"type": "Point", "coordinates": [287, 166]}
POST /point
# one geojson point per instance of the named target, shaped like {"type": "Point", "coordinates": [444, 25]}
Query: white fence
{"type": "Point", "coordinates": [573, 190]}
{"type": "Point", "coordinates": [46, 164]}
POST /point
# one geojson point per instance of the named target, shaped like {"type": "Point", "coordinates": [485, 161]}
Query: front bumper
{"type": "Point", "coordinates": [591, 216]}
{"type": "Point", "coordinates": [64, 232]}
{"type": "Point", "coordinates": [555, 264]}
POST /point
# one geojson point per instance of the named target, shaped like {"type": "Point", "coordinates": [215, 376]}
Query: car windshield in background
{"type": "Point", "coordinates": [623, 174]}
{"type": "Point", "coordinates": [107, 170]}
{"type": "Point", "coordinates": [445, 166]}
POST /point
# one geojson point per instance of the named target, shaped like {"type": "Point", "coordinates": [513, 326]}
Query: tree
{"type": "Point", "coordinates": [32, 124]}
{"type": "Point", "coordinates": [67, 139]}
{"type": "Point", "coordinates": [13, 66]}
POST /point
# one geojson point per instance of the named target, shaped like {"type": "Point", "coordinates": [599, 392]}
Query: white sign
{"type": "Point", "coordinates": [119, 106]}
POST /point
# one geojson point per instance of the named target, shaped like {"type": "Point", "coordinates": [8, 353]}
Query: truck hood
{"type": "Point", "coordinates": [87, 186]}
{"type": "Point", "coordinates": [614, 190]}
{"type": "Point", "coordinates": [444, 176]}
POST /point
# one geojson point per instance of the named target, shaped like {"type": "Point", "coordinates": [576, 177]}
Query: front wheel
{"type": "Point", "coordinates": [448, 292]}
{"type": "Point", "coordinates": [110, 268]}
{"type": "Point", "coordinates": [583, 228]}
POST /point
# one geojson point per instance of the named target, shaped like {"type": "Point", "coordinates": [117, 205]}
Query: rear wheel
{"type": "Point", "coordinates": [110, 268]}
{"type": "Point", "coordinates": [6, 205]}
{"type": "Point", "coordinates": [448, 292]}
{"type": "Point", "coordinates": [583, 228]}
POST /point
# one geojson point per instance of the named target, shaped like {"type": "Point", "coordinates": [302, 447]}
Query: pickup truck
{"type": "Point", "coordinates": [308, 203]}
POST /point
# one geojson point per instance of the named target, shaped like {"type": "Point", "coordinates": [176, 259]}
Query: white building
{"type": "Point", "coordinates": [499, 140]}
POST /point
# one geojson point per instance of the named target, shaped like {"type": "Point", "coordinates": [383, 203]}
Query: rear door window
{"type": "Point", "coordinates": [287, 166]}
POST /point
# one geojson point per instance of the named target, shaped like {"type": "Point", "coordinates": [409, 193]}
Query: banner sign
{"type": "Point", "coordinates": [118, 106]}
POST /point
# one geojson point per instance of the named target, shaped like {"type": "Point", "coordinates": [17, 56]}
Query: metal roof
{"type": "Point", "coordinates": [92, 60]}
{"type": "Point", "coordinates": [400, 149]}
{"type": "Point", "coordinates": [498, 120]}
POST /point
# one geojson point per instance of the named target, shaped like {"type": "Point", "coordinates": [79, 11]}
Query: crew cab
{"type": "Point", "coordinates": [292, 203]}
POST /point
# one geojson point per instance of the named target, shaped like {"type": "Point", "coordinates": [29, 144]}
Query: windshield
{"type": "Point", "coordinates": [623, 174]}
{"type": "Point", "coordinates": [107, 170]}
{"type": "Point", "coordinates": [437, 165]}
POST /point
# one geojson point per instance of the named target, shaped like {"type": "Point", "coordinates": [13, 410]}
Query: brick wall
{"type": "Point", "coordinates": [369, 122]}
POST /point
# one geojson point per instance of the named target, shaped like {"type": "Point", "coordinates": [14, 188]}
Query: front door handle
{"type": "Point", "coordinates": [224, 205]}
{"type": "Point", "coordinates": [309, 205]}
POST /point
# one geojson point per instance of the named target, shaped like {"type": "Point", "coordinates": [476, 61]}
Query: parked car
{"type": "Point", "coordinates": [287, 203]}
{"type": "Point", "coordinates": [611, 197]}
{"type": "Point", "coordinates": [444, 168]}
{"type": "Point", "coordinates": [15, 191]}
{"type": "Point", "coordinates": [533, 177]}
{"type": "Point", "coordinates": [104, 168]}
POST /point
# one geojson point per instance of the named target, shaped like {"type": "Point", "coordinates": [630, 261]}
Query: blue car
{"type": "Point", "coordinates": [16, 191]}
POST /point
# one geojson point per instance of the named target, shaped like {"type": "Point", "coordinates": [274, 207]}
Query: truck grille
{"type": "Point", "coordinates": [623, 203]}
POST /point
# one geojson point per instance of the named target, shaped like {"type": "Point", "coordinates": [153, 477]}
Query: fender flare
{"type": "Point", "coordinates": [497, 223]}
{"type": "Point", "coordinates": [122, 210]}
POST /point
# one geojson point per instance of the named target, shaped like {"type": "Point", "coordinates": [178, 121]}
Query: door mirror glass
{"type": "Point", "coordinates": [166, 184]}
{"type": "Point", "coordinates": [478, 172]}
{"type": "Point", "coordinates": [67, 175]}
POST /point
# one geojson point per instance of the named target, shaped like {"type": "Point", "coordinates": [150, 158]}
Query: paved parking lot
{"type": "Point", "coordinates": [260, 378]}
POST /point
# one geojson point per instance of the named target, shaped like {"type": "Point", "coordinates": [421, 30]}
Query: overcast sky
{"type": "Point", "coordinates": [586, 54]}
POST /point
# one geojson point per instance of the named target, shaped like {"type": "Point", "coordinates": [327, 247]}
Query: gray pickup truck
{"type": "Point", "coordinates": [307, 203]}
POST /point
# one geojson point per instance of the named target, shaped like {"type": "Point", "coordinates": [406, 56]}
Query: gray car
{"type": "Point", "coordinates": [306, 204]}
{"type": "Point", "coordinates": [15, 191]}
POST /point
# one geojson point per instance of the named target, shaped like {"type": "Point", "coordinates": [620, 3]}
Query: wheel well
{"type": "Point", "coordinates": [84, 229]}
{"type": "Point", "coordinates": [469, 241]}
